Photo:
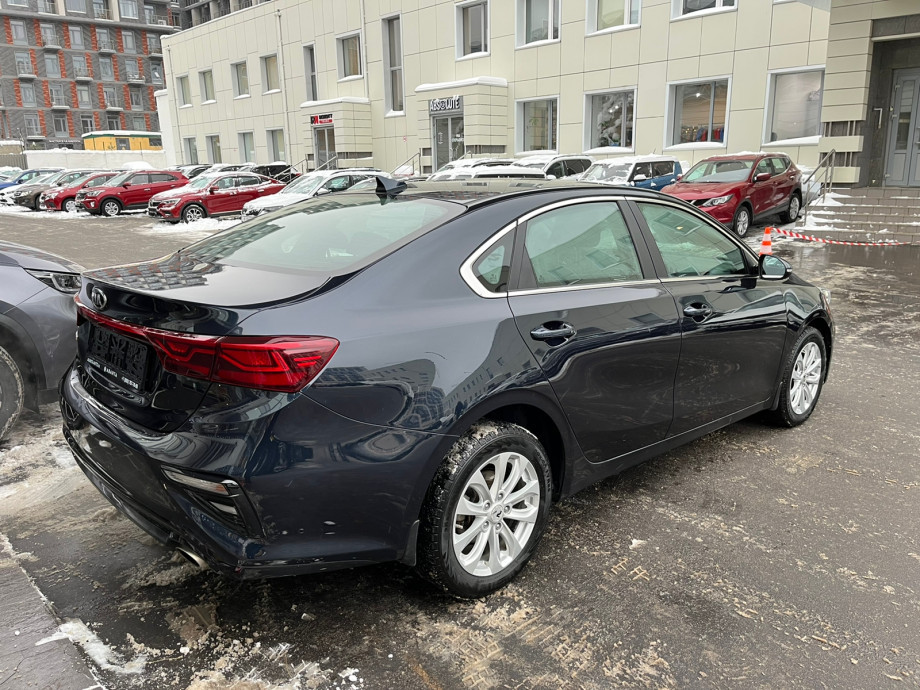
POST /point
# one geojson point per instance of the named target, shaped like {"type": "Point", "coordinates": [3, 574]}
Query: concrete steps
{"type": "Point", "coordinates": [885, 210]}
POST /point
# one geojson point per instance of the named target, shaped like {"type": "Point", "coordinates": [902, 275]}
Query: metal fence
{"type": "Point", "coordinates": [17, 160]}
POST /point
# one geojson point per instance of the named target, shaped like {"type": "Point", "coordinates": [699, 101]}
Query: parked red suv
{"type": "Point", "coordinates": [220, 194]}
{"type": "Point", "coordinates": [128, 190]}
{"type": "Point", "coordinates": [65, 198]}
{"type": "Point", "coordinates": [737, 190]}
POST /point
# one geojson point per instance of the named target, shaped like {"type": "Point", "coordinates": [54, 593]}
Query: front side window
{"type": "Point", "coordinates": [699, 112]}
{"type": "Point", "coordinates": [392, 38]}
{"type": "Point", "coordinates": [611, 119]}
{"type": "Point", "coordinates": [185, 96]}
{"type": "Point", "coordinates": [609, 14]}
{"type": "Point", "coordinates": [240, 79]}
{"type": "Point", "coordinates": [582, 244]}
{"type": "Point", "coordinates": [690, 246]}
{"type": "Point", "coordinates": [130, 41]}
{"type": "Point", "coordinates": [538, 125]}
{"type": "Point", "coordinates": [76, 37]}
{"type": "Point", "coordinates": [27, 92]}
{"type": "Point", "coordinates": [270, 80]}
{"type": "Point", "coordinates": [52, 65]}
{"type": "Point", "coordinates": [191, 150]}
{"type": "Point", "coordinates": [207, 86]}
{"type": "Point", "coordinates": [473, 28]}
{"type": "Point", "coordinates": [794, 107]}
{"type": "Point", "coordinates": [682, 7]}
{"type": "Point", "coordinates": [128, 9]}
{"type": "Point", "coordinates": [18, 27]}
{"type": "Point", "coordinates": [538, 20]}
{"type": "Point", "coordinates": [247, 147]}
{"type": "Point", "coordinates": [349, 57]}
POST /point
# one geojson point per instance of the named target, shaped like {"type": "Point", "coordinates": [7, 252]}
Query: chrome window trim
{"type": "Point", "coordinates": [591, 286]}
{"type": "Point", "coordinates": [466, 269]}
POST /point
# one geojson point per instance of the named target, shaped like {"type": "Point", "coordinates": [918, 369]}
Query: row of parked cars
{"type": "Point", "coordinates": [736, 190]}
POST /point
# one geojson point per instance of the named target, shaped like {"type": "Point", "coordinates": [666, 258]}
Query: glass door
{"type": "Point", "coordinates": [448, 140]}
{"type": "Point", "coordinates": [325, 147]}
{"type": "Point", "coordinates": [902, 167]}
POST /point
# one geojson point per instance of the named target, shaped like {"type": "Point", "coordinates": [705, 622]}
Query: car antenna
{"type": "Point", "coordinates": [387, 187]}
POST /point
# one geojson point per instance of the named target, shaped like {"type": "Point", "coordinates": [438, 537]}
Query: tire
{"type": "Point", "coordinates": [742, 221]}
{"type": "Point", "coordinates": [192, 212]}
{"type": "Point", "coordinates": [791, 214]}
{"type": "Point", "coordinates": [799, 394]}
{"type": "Point", "coordinates": [12, 392]}
{"type": "Point", "coordinates": [474, 460]}
{"type": "Point", "coordinates": [69, 205]}
{"type": "Point", "coordinates": [110, 207]}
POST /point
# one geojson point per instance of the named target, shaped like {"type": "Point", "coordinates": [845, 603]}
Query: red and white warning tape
{"type": "Point", "coordinates": [811, 238]}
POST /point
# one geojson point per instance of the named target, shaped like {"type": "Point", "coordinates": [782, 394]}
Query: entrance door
{"type": "Point", "coordinates": [325, 147]}
{"type": "Point", "coordinates": [448, 140]}
{"type": "Point", "coordinates": [903, 165]}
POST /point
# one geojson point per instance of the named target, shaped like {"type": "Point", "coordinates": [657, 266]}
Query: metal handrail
{"type": "Point", "coordinates": [826, 164]}
{"type": "Point", "coordinates": [334, 159]}
{"type": "Point", "coordinates": [417, 155]}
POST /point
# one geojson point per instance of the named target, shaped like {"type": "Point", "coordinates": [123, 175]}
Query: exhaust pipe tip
{"type": "Point", "coordinates": [193, 557]}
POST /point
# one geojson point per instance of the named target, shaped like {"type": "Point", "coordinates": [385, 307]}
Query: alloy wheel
{"type": "Point", "coordinates": [70, 206]}
{"type": "Point", "coordinates": [805, 379]}
{"type": "Point", "coordinates": [496, 514]}
{"type": "Point", "coordinates": [111, 208]}
{"type": "Point", "coordinates": [793, 208]}
{"type": "Point", "coordinates": [742, 223]}
{"type": "Point", "coordinates": [193, 213]}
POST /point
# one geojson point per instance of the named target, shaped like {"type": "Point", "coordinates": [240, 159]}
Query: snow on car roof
{"type": "Point", "coordinates": [629, 160]}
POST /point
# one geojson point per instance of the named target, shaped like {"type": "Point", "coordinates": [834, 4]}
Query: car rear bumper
{"type": "Point", "coordinates": [330, 509]}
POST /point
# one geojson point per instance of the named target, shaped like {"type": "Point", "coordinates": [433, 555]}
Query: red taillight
{"type": "Point", "coordinates": [276, 363]}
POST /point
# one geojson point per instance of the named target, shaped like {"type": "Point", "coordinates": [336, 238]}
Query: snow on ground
{"type": "Point", "coordinates": [102, 655]}
{"type": "Point", "coordinates": [205, 226]}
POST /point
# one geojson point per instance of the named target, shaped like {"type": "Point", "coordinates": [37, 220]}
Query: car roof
{"type": "Point", "coordinates": [629, 160]}
{"type": "Point", "coordinates": [746, 156]}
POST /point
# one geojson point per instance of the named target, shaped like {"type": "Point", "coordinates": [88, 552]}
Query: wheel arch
{"type": "Point", "coordinates": [15, 340]}
{"type": "Point", "coordinates": [820, 322]}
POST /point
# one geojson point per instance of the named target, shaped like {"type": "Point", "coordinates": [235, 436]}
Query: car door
{"type": "Point", "coordinates": [138, 190]}
{"type": "Point", "coordinates": [784, 181]}
{"type": "Point", "coordinates": [602, 328]}
{"type": "Point", "coordinates": [733, 324]}
{"type": "Point", "coordinates": [162, 182]}
{"type": "Point", "coordinates": [557, 170]}
{"type": "Point", "coordinates": [642, 176]}
{"type": "Point", "coordinates": [663, 174]}
{"type": "Point", "coordinates": [762, 193]}
{"type": "Point", "coordinates": [221, 195]}
{"type": "Point", "coordinates": [248, 187]}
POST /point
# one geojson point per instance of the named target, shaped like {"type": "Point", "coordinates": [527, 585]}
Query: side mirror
{"type": "Point", "coordinates": [550, 177]}
{"type": "Point", "coordinates": [212, 190]}
{"type": "Point", "coordinates": [762, 177]}
{"type": "Point", "coordinates": [773, 268]}
{"type": "Point", "coordinates": [639, 178]}
{"type": "Point", "coordinates": [323, 190]}
{"type": "Point", "coordinates": [125, 184]}
{"type": "Point", "coordinates": [680, 176]}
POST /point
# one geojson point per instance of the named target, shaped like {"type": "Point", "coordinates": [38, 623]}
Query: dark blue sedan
{"type": "Point", "coordinates": [416, 374]}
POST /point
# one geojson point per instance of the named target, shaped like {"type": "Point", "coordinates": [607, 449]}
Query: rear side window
{"type": "Point", "coordinates": [249, 180]}
{"type": "Point", "coordinates": [161, 177]}
{"type": "Point", "coordinates": [582, 244]}
{"type": "Point", "coordinates": [689, 246]}
{"type": "Point", "coordinates": [493, 268]}
{"type": "Point", "coordinates": [326, 235]}
{"type": "Point", "coordinates": [780, 164]}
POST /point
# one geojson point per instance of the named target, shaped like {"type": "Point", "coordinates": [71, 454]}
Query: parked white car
{"type": "Point", "coordinates": [489, 172]}
{"type": "Point", "coordinates": [308, 186]}
{"type": "Point", "coordinates": [557, 166]}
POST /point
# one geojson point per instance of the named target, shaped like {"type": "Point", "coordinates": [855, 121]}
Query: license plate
{"type": "Point", "coordinates": [119, 358]}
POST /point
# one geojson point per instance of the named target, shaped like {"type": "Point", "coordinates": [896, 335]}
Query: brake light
{"type": "Point", "coordinates": [277, 363]}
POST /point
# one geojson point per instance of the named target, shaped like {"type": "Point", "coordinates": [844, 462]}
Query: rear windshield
{"type": "Point", "coordinates": [326, 236]}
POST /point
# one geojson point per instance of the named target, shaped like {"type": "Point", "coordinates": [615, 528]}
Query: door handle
{"type": "Point", "coordinates": [698, 310]}
{"type": "Point", "coordinates": [879, 123]}
{"type": "Point", "coordinates": [563, 331]}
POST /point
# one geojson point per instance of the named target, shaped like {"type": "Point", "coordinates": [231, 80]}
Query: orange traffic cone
{"type": "Point", "coordinates": [766, 246]}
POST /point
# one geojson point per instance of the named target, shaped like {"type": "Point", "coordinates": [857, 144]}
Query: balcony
{"type": "Point", "coordinates": [47, 7]}
{"type": "Point", "coordinates": [107, 46]}
{"type": "Point", "coordinates": [49, 42]}
{"type": "Point", "coordinates": [81, 74]}
{"type": "Point", "coordinates": [113, 103]}
{"type": "Point", "coordinates": [33, 132]}
{"type": "Point", "coordinates": [24, 70]}
{"type": "Point", "coordinates": [101, 12]}
{"type": "Point", "coordinates": [59, 104]}
{"type": "Point", "coordinates": [136, 79]}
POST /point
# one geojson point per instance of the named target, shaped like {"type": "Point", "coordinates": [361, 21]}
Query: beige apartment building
{"type": "Point", "coordinates": [386, 82]}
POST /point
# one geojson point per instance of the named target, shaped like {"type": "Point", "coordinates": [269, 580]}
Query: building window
{"type": "Point", "coordinates": [247, 148]}
{"type": "Point", "coordinates": [537, 125]}
{"type": "Point", "coordinates": [79, 66]}
{"type": "Point", "coordinates": [213, 144]}
{"type": "Point", "coordinates": [137, 99]}
{"type": "Point", "coordinates": [240, 79]}
{"type": "Point", "coordinates": [27, 92]}
{"type": "Point", "coordinates": [309, 68]}
{"type": "Point", "coordinates": [609, 14]}
{"type": "Point", "coordinates": [794, 107]}
{"type": "Point", "coordinates": [156, 72]}
{"type": "Point", "coordinates": [113, 122]}
{"type": "Point", "coordinates": [75, 6]}
{"type": "Point", "coordinates": [392, 64]}
{"type": "Point", "coordinates": [104, 39]}
{"type": "Point", "coordinates": [76, 38]}
{"type": "Point", "coordinates": [138, 123]}
{"type": "Point", "coordinates": [276, 144]}
{"type": "Point", "coordinates": [130, 41]}
{"type": "Point", "coordinates": [185, 97]}
{"type": "Point", "coordinates": [270, 81]}
{"type": "Point", "coordinates": [33, 126]}
{"type": "Point", "coordinates": [18, 3]}
{"type": "Point", "coordinates": [60, 125]}
{"type": "Point", "coordinates": [473, 28]}
{"type": "Point", "coordinates": [699, 111]}
{"type": "Point", "coordinates": [18, 28]}
{"type": "Point", "coordinates": [132, 69]}
{"type": "Point", "coordinates": [49, 35]}
{"type": "Point", "coordinates": [191, 150]}
{"type": "Point", "coordinates": [87, 123]}
{"type": "Point", "coordinates": [349, 56]}
{"type": "Point", "coordinates": [24, 63]}
{"type": "Point", "coordinates": [538, 20]}
{"type": "Point", "coordinates": [105, 68]}
{"type": "Point", "coordinates": [52, 65]}
{"type": "Point", "coordinates": [611, 119]}
{"type": "Point", "coordinates": [207, 86]}
{"type": "Point", "coordinates": [101, 9]}
{"type": "Point", "coordinates": [683, 7]}
{"type": "Point", "coordinates": [153, 44]}
{"type": "Point", "coordinates": [84, 98]}
{"type": "Point", "coordinates": [57, 95]}
{"type": "Point", "coordinates": [111, 97]}
{"type": "Point", "coordinates": [127, 9]}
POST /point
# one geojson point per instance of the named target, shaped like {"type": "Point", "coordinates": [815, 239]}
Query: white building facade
{"type": "Point", "coordinates": [386, 82]}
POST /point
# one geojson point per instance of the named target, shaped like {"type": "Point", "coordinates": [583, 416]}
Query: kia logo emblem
{"type": "Point", "coordinates": [99, 299]}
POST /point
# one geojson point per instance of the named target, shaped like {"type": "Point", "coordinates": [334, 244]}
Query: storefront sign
{"type": "Point", "coordinates": [445, 105]}
{"type": "Point", "coordinates": [321, 119]}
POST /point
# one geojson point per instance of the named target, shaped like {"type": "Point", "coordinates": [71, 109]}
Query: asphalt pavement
{"type": "Point", "coordinates": [756, 557]}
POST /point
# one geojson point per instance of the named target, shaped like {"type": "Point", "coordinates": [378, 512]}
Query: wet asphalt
{"type": "Point", "coordinates": [756, 557]}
